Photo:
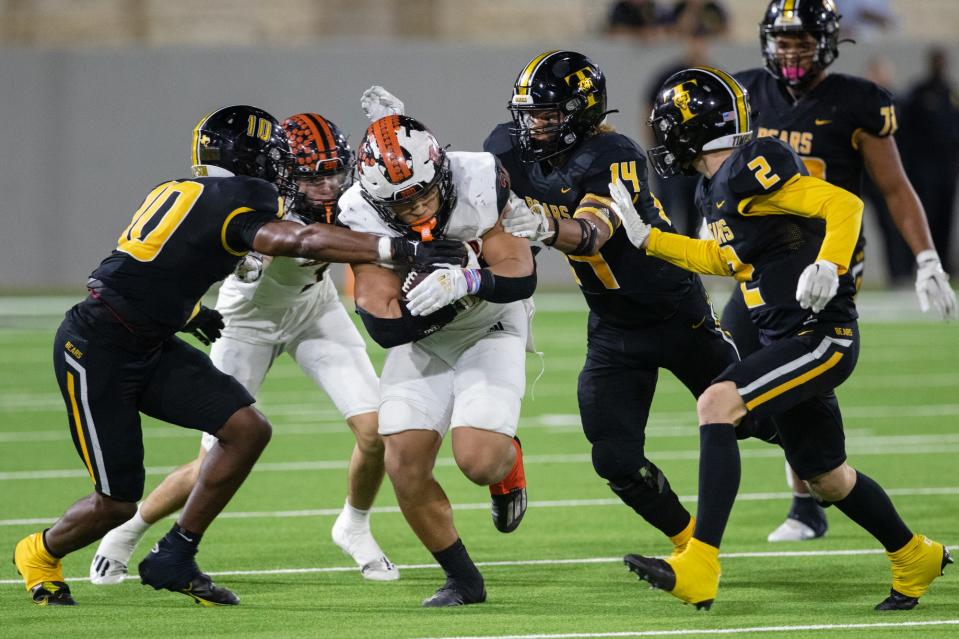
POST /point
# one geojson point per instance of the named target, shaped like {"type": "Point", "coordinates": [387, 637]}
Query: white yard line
{"type": "Point", "coordinates": [934, 447]}
{"type": "Point", "coordinates": [559, 503]}
{"type": "Point", "coordinates": [802, 554]}
{"type": "Point", "coordinates": [689, 632]}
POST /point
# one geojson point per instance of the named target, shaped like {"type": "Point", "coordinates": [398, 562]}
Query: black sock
{"type": "Point", "coordinates": [868, 505]}
{"type": "Point", "coordinates": [183, 538]}
{"type": "Point", "coordinates": [719, 473]}
{"type": "Point", "coordinates": [648, 493]}
{"type": "Point", "coordinates": [459, 567]}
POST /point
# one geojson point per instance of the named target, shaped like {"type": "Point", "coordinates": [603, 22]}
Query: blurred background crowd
{"type": "Point", "coordinates": [100, 95]}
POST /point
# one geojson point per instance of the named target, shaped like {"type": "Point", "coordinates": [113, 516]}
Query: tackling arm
{"type": "Point", "coordinates": [323, 242]}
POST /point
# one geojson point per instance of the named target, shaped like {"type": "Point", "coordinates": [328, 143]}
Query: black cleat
{"type": "Point", "coordinates": [174, 569]}
{"type": "Point", "coordinates": [657, 572]}
{"type": "Point", "coordinates": [206, 593]}
{"type": "Point", "coordinates": [508, 510]}
{"type": "Point", "coordinates": [508, 496]}
{"type": "Point", "coordinates": [52, 593]}
{"type": "Point", "coordinates": [452, 594]}
{"type": "Point", "coordinates": [897, 601]}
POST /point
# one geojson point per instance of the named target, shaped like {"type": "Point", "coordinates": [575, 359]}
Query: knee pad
{"type": "Point", "coordinates": [614, 460]}
{"type": "Point", "coordinates": [644, 490]}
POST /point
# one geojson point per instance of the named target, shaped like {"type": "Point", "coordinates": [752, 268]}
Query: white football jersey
{"type": "Point", "coordinates": [287, 283]}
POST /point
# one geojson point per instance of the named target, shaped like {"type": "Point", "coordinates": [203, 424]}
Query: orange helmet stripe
{"type": "Point", "coordinates": [391, 153]}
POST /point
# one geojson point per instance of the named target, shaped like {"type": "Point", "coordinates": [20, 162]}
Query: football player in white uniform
{"type": "Point", "coordinates": [284, 304]}
{"type": "Point", "coordinates": [456, 336]}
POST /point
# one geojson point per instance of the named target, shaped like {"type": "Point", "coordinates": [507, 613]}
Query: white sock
{"type": "Point", "coordinates": [137, 525]}
{"type": "Point", "coordinates": [357, 518]}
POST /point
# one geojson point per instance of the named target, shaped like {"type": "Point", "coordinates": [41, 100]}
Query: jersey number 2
{"type": "Point", "coordinates": [763, 172]}
{"type": "Point", "coordinates": [161, 213]}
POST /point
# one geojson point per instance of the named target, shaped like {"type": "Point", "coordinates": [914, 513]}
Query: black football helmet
{"type": "Point", "coordinates": [819, 18]}
{"type": "Point", "coordinates": [564, 88]}
{"type": "Point", "coordinates": [400, 164]}
{"type": "Point", "coordinates": [320, 150]}
{"type": "Point", "coordinates": [243, 140]}
{"type": "Point", "coordinates": [697, 110]}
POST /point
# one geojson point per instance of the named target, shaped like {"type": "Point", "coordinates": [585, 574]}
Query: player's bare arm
{"type": "Point", "coordinates": [336, 244]}
{"type": "Point", "coordinates": [881, 158]}
{"type": "Point", "coordinates": [377, 290]}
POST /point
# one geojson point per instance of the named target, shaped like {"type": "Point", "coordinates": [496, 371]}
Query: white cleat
{"type": "Point", "coordinates": [358, 543]}
{"type": "Point", "coordinates": [792, 530]}
{"type": "Point", "coordinates": [105, 571]}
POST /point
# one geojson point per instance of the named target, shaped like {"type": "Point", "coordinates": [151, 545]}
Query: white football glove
{"type": "Point", "coordinates": [250, 268]}
{"type": "Point", "coordinates": [439, 289]}
{"type": "Point", "coordinates": [932, 285]}
{"type": "Point", "coordinates": [818, 284]}
{"type": "Point", "coordinates": [378, 103]}
{"type": "Point", "coordinates": [530, 222]}
{"type": "Point", "coordinates": [637, 230]}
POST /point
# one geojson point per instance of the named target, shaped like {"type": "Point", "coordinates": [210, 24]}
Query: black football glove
{"type": "Point", "coordinates": [206, 325]}
{"type": "Point", "coordinates": [428, 254]}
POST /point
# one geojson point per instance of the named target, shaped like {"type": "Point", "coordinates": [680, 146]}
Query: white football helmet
{"type": "Point", "coordinates": [401, 166]}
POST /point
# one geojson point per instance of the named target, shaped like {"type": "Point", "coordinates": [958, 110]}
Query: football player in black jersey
{"type": "Point", "coordinates": [839, 125]}
{"type": "Point", "coordinates": [645, 315]}
{"type": "Point", "coordinates": [116, 354]}
{"type": "Point", "coordinates": [788, 238]}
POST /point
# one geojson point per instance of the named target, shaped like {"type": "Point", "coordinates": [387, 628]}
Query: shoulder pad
{"type": "Point", "coordinates": [357, 214]}
{"type": "Point", "coordinates": [762, 166]}
{"type": "Point", "coordinates": [499, 140]}
{"type": "Point", "coordinates": [610, 155]}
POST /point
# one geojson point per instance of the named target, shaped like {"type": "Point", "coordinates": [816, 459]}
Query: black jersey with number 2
{"type": "Point", "coordinates": [765, 247]}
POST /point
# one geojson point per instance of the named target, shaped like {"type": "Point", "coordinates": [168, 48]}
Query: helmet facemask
{"type": "Point", "coordinates": [544, 131]}
{"type": "Point", "coordinates": [319, 191]}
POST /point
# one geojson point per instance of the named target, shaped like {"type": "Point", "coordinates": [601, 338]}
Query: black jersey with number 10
{"type": "Point", "coordinates": [187, 235]}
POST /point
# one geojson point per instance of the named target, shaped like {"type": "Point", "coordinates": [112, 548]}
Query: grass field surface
{"type": "Point", "coordinates": [561, 573]}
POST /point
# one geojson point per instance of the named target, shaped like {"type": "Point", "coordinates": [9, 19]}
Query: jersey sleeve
{"type": "Point", "coordinates": [256, 202]}
{"type": "Point", "coordinates": [624, 163]}
{"type": "Point", "coordinates": [874, 111]}
{"type": "Point", "coordinates": [763, 167]}
{"type": "Point", "coordinates": [807, 196]}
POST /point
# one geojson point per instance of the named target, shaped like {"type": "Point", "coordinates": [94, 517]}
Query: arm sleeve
{"type": "Point", "coordinates": [814, 198]}
{"type": "Point", "coordinates": [698, 256]}
{"type": "Point", "coordinates": [255, 204]}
